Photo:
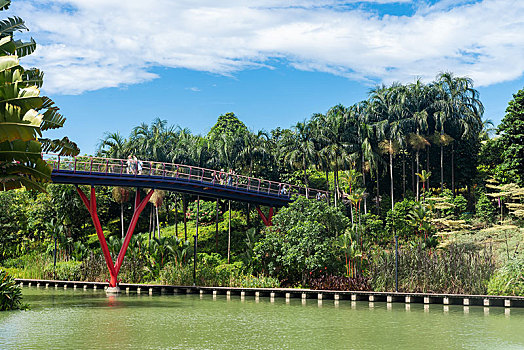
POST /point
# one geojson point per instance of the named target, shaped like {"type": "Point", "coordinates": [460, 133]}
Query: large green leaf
{"type": "Point", "coordinates": [7, 46]}
{"type": "Point", "coordinates": [8, 62]}
{"type": "Point", "coordinates": [10, 25]}
{"type": "Point", "coordinates": [4, 4]}
{"type": "Point", "coordinates": [14, 126]}
{"type": "Point", "coordinates": [52, 120]}
{"type": "Point", "coordinates": [26, 98]}
{"type": "Point", "coordinates": [20, 151]}
{"type": "Point", "coordinates": [25, 48]}
{"type": "Point", "coordinates": [63, 147]}
{"type": "Point", "coordinates": [33, 77]}
{"type": "Point", "coordinates": [29, 175]}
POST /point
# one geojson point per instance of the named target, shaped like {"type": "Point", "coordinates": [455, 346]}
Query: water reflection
{"type": "Point", "coordinates": [63, 319]}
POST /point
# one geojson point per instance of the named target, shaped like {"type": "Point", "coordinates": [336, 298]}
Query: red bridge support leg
{"type": "Point", "coordinates": [91, 207]}
{"type": "Point", "coordinates": [267, 220]}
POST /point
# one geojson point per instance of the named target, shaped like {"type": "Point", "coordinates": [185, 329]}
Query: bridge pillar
{"type": "Point", "coordinates": [91, 207]}
{"type": "Point", "coordinates": [267, 220]}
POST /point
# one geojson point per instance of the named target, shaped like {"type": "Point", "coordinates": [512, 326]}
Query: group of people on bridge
{"type": "Point", "coordinates": [134, 166]}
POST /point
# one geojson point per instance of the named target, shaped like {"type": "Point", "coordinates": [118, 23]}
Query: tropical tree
{"type": "Point", "coordinates": [24, 114]}
{"type": "Point", "coordinates": [511, 131]}
{"type": "Point", "coordinates": [121, 195]}
{"type": "Point", "coordinates": [299, 148]}
{"type": "Point", "coordinates": [457, 104]}
{"type": "Point", "coordinates": [389, 113]}
{"type": "Point", "coordinates": [113, 145]}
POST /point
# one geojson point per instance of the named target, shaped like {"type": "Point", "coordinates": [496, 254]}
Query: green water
{"type": "Point", "coordinates": [80, 319]}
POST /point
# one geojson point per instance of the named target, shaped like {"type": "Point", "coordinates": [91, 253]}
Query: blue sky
{"type": "Point", "coordinates": [111, 65]}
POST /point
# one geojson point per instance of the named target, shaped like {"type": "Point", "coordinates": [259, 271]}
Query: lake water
{"type": "Point", "coordinates": [78, 319]}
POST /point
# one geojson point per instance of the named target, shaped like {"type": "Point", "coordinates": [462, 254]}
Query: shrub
{"type": "Point", "coordinates": [65, 270]}
{"type": "Point", "coordinates": [509, 279]}
{"type": "Point", "coordinates": [10, 293]}
{"type": "Point", "coordinates": [397, 221]}
{"type": "Point", "coordinates": [250, 281]}
{"type": "Point", "coordinates": [333, 282]}
{"type": "Point", "coordinates": [301, 240]}
{"type": "Point", "coordinates": [461, 207]}
{"type": "Point", "coordinates": [206, 214]}
{"type": "Point", "coordinates": [373, 227]}
{"type": "Point", "coordinates": [485, 209]}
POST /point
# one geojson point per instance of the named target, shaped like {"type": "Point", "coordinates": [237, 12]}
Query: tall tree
{"type": "Point", "coordinates": [458, 104]}
{"type": "Point", "coordinates": [299, 148]}
{"type": "Point", "coordinates": [24, 114]}
{"type": "Point", "coordinates": [511, 131]}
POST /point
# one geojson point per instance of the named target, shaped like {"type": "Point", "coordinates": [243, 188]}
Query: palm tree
{"type": "Point", "coordinates": [113, 145]}
{"type": "Point", "coordinates": [424, 177]}
{"type": "Point", "coordinates": [337, 131]}
{"type": "Point", "coordinates": [299, 148]}
{"type": "Point", "coordinates": [387, 109]}
{"type": "Point", "coordinates": [458, 103]}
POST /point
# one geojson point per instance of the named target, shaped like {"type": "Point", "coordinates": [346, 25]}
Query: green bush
{"type": "Point", "coordinates": [206, 214]}
{"type": "Point", "coordinates": [397, 221]}
{"type": "Point", "coordinates": [250, 281]}
{"type": "Point", "coordinates": [373, 228]}
{"type": "Point", "coordinates": [10, 293]}
{"type": "Point", "coordinates": [65, 271]}
{"type": "Point", "coordinates": [461, 207]}
{"type": "Point", "coordinates": [301, 240]}
{"type": "Point", "coordinates": [485, 209]}
{"type": "Point", "coordinates": [509, 279]}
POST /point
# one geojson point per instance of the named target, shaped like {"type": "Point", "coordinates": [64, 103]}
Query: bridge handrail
{"type": "Point", "coordinates": [100, 165]}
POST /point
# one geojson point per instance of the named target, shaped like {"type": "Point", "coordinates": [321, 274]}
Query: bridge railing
{"type": "Point", "coordinates": [140, 168]}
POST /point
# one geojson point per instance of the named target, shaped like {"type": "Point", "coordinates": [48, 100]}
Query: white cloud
{"type": "Point", "coordinates": [193, 88]}
{"type": "Point", "coordinates": [88, 45]}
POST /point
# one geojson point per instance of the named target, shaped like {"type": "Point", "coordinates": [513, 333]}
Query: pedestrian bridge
{"type": "Point", "coordinates": [96, 171]}
{"type": "Point", "coordinates": [131, 172]}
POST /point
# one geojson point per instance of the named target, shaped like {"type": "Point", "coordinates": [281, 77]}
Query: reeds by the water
{"type": "Point", "coordinates": [458, 269]}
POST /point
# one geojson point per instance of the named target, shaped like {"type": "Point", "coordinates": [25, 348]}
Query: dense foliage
{"type": "Point", "coordinates": [412, 161]}
{"type": "Point", "coordinates": [10, 292]}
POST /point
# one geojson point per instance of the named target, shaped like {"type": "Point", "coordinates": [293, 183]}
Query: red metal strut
{"type": "Point", "coordinates": [267, 220]}
{"type": "Point", "coordinates": [91, 207]}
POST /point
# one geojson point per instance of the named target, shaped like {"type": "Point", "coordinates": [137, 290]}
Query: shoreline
{"type": "Point", "coordinates": [388, 297]}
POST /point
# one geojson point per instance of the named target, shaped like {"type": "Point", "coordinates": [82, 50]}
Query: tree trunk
{"type": "Point", "coordinates": [216, 229]}
{"type": "Point", "coordinates": [418, 172]}
{"type": "Point", "coordinates": [391, 172]}
{"type": "Point", "coordinates": [122, 218]}
{"type": "Point", "coordinates": [403, 176]}
{"type": "Point", "coordinates": [184, 208]}
{"type": "Point", "coordinates": [327, 180]}
{"type": "Point", "coordinates": [427, 167]}
{"type": "Point", "coordinates": [364, 183]}
{"type": "Point", "coordinates": [157, 223]}
{"type": "Point", "coordinates": [335, 179]}
{"type": "Point", "coordinates": [413, 189]}
{"type": "Point", "coordinates": [441, 168]}
{"type": "Point", "coordinates": [377, 202]}
{"type": "Point", "coordinates": [453, 169]}
{"type": "Point", "coordinates": [247, 215]}
{"type": "Point", "coordinates": [176, 215]}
